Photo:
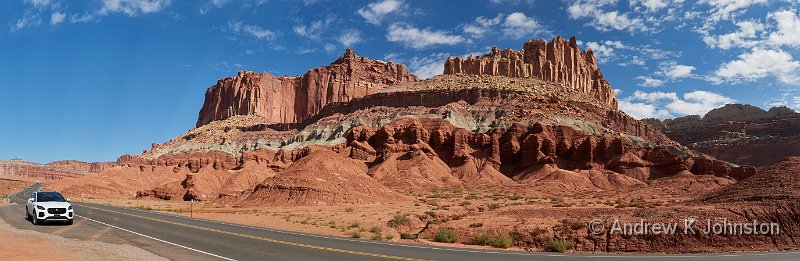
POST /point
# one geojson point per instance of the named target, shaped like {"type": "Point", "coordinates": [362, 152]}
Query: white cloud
{"type": "Point", "coordinates": [788, 97]}
{"type": "Point", "coordinates": [252, 30]}
{"type": "Point", "coordinates": [132, 7]}
{"type": "Point", "coordinates": [57, 17]}
{"type": "Point", "coordinates": [744, 37]}
{"type": "Point", "coordinates": [650, 82]}
{"type": "Point", "coordinates": [429, 66]}
{"type": "Point", "coordinates": [605, 20]}
{"type": "Point", "coordinates": [666, 104]}
{"type": "Point", "coordinates": [39, 3]}
{"type": "Point", "coordinates": [788, 32]}
{"type": "Point", "coordinates": [679, 71]}
{"type": "Point", "coordinates": [652, 5]}
{"type": "Point", "coordinates": [726, 9]}
{"type": "Point", "coordinates": [640, 110]}
{"type": "Point", "coordinates": [653, 96]}
{"type": "Point", "coordinates": [375, 12]}
{"type": "Point", "coordinates": [350, 37]}
{"type": "Point", "coordinates": [604, 51]}
{"type": "Point", "coordinates": [515, 25]}
{"type": "Point", "coordinates": [482, 25]}
{"type": "Point", "coordinates": [315, 29]}
{"type": "Point", "coordinates": [518, 25]}
{"type": "Point", "coordinates": [28, 19]}
{"type": "Point", "coordinates": [220, 3]}
{"type": "Point", "coordinates": [757, 64]}
{"type": "Point", "coordinates": [420, 38]}
{"type": "Point", "coordinates": [698, 103]}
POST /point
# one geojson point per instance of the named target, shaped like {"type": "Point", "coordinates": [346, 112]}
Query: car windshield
{"type": "Point", "coordinates": [49, 197]}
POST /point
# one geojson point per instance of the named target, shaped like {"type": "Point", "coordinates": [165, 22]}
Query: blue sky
{"type": "Point", "coordinates": [94, 79]}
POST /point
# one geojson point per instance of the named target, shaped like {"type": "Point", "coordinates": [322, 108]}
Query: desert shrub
{"type": "Point", "coordinates": [473, 225]}
{"type": "Point", "coordinates": [431, 213]}
{"type": "Point", "coordinates": [493, 206]}
{"type": "Point", "coordinates": [446, 235]}
{"type": "Point", "coordinates": [400, 219]}
{"type": "Point", "coordinates": [480, 239]}
{"type": "Point", "coordinates": [407, 236]}
{"type": "Point", "coordinates": [376, 230]}
{"type": "Point", "coordinates": [377, 237]}
{"type": "Point", "coordinates": [349, 210]}
{"type": "Point", "coordinates": [389, 237]}
{"type": "Point", "coordinates": [503, 241]}
{"type": "Point", "coordinates": [332, 224]}
{"type": "Point", "coordinates": [433, 222]}
{"type": "Point", "coordinates": [355, 224]}
{"type": "Point", "coordinates": [559, 245]}
{"type": "Point", "coordinates": [355, 234]}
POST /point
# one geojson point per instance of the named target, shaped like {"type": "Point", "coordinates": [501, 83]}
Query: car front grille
{"type": "Point", "coordinates": [56, 210]}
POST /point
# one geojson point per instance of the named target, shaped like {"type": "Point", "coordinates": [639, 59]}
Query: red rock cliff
{"type": "Point", "coordinates": [294, 99]}
{"type": "Point", "coordinates": [556, 61]}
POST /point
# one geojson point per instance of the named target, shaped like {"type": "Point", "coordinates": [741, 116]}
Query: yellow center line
{"type": "Point", "coordinates": [264, 238]}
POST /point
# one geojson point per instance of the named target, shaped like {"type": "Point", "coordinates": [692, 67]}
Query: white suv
{"type": "Point", "coordinates": [48, 206]}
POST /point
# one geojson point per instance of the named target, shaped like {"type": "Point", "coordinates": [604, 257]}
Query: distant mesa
{"type": "Point", "coordinates": [738, 133]}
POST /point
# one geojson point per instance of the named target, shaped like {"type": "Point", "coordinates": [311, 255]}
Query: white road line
{"type": "Point", "coordinates": [160, 240]}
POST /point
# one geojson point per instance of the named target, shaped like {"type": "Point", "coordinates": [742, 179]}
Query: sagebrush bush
{"type": "Point", "coordinates": [559, 245]}
{"type": "Point", "coordinates": [446, 235]}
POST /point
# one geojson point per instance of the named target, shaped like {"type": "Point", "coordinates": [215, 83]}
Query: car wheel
{"type": "Point", "coordinates": [69, 222]}
{"type": "Point", "coordinates": [35, 219]}
{"type": "Point", "coordinates": [27, 215]}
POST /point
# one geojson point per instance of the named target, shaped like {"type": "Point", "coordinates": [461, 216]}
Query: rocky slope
{"type": "Point", "coordinates": [557, 61]}
{"type": "Point", "coordinates": [742, 134]}
{"type": "Point", "coordinates": [297, 98]}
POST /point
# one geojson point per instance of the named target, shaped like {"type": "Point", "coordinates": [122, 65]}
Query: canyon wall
{"type": "Point", "coordinates": [557, 61]}
{"type": "Point", "coordinates": [294, 99]}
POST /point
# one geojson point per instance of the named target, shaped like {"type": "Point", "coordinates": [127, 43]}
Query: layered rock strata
{"type": "Point", "coordinates": [293, 99]}
{"type": "Point", "coordinates": [557, 61]}
{"type": "Point", "coordinates": [742, 134]}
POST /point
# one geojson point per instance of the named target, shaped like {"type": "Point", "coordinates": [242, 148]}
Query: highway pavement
{"type": "Point", "coordinates": [184, 238]}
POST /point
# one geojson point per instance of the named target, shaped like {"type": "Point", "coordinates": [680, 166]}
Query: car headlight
{"type": "Point", "coordinates": [40, 207]}
{"type": "Point", "coordinates": [70, 207]}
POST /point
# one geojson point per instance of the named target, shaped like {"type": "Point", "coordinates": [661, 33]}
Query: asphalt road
{"type": "Point", "coordinates": [183, 238]}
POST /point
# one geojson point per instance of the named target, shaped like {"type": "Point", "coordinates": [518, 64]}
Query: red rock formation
{"type": "Point", "coordinates": [91, 167]}
{"type": "Point", "coordinates": [516, 150]}
{"type": "Point", "coordinates": [556, 61]}
{"type": "Point", "coordinates": [29, 171]}
{"type": "Point", "coordinates": [741, 134]}
{"type": "Point", "coordinates": [294, 99]}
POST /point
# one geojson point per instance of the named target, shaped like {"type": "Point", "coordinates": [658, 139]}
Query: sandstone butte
{"type": "Point", "coordinates": [294, 99]}
{"type": "Point", "coordinates": [556, 61]}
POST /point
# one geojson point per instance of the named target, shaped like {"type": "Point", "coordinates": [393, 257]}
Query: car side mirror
{"type": "Point", "coordinates": [67, 200]}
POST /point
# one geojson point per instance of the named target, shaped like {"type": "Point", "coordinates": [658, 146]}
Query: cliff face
{"type": "Point", "coordinates": [556, 61]}
{"type": "Point", "coordinates": [741, 134]}
{"type": "Point", "coordinates": [294, 99]}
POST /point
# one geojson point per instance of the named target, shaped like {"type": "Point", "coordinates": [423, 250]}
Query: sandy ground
{"type": "Point", "coordinates": [33, 245]}
{"type": "Point", "coordinates": [471, 211]}
{"type": "Point", "coordinates": [8, 187]}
